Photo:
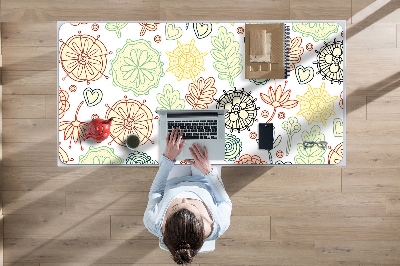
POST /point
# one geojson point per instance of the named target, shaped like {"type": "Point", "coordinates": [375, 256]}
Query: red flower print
{"type": "Point", "coordinates": [278, 98]}
{"type": "Point", "coordinates": [240, 30]}
{"type": "Point", "coordinates": [281, 115]}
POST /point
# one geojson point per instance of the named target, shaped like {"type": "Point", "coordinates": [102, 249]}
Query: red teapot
{"type": "Point", "coordinates": [98, 129]}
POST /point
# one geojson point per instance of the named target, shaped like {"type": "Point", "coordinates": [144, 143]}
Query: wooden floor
{"type": "Point", "coordinates": [281, 215]}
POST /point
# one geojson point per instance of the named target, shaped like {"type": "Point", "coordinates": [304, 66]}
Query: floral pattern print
{"type": "Point", "coordinates": [242, 110]}
{"type": "Point", "coordinates": [100, 155]}
{"type": "Point", "coordinates": [316, 105]}
{"type": "Point", "coordinates": [186, 61]}
{"type": "Point", "coordinates": [318, 31]}
{"type": "Point", "coordinates": [170, 99]}
{"type": "Point", "coordinates": [278, 98]}
{"type": "Point", "coordinates": [201, 94]}
{"type": "Point", "coordinates": [83, 58]}
{"type": "Point", "coordinates": [330, 61]}
{"type": "Point", "coordinates": [228, 60]}
{"type": "Point", "coordinates": [137, 67]}
{"type": "Point", "coordinates": [296, 51]}
{"type": "Point", "coordinates": [233, 147]}
{"type": "Point", "coordinates": [130, 117]}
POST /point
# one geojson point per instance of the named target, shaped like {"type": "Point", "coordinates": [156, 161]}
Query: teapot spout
{"type": "Point", "coordinates": [88, 135]}
{"type": "Point", "coordinates": [108, 121]}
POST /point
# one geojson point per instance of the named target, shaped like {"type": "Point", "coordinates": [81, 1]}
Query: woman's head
{"type": "Point", "coordinates": [184, 235]}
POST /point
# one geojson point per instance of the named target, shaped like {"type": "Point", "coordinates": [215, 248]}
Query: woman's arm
{"type": "Point", "coordinates": [156, 194]}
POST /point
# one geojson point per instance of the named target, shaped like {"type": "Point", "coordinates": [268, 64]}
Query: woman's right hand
{"type": "Point", "coordinates": [200, 159]}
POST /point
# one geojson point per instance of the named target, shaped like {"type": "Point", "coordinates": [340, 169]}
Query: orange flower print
{"type": "Point", "coordinates": [278, 98]}
{"type": "Point", "coordinates": [74, 130]}
{"type": "Point", "coordinates": [201, 94]}
{"type": "Point", "coordinates": [250, 159]}
{"type": "Point", "coordinates": [296, 51]}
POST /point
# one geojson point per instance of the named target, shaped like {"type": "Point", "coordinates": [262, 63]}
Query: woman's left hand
{"type": "Point", "coordinates": [174, 144]}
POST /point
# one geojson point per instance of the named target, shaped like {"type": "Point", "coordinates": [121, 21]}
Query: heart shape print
{"type": "Point", "coordinates": [202, 30]}
{"type": "Point", "coordinates": [92, 96]}
{"type": "Point", "coordinates": [172, 32]}
{"type": "Point", "coordinates": [304, 74]}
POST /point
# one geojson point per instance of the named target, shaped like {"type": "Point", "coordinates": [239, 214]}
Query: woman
{"type": "Point", "coordinates": [186, 208]}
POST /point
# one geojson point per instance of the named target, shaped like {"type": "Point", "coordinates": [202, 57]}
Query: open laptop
{"type": "Point", "coordinates": [204, 127]}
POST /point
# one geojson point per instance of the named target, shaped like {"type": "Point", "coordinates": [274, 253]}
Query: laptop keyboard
{"type": "Point", "coordinates": [196, 129]}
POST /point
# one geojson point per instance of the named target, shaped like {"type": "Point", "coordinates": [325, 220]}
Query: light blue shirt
{"type": "Point", "coordinates": [209, 188]}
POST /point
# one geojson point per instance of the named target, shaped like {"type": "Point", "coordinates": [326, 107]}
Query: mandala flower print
{"type": "Point", "coordinates": [137, 67]}
{"type": "Point", "coordinates": [316, 105]}
{"type": "Point", "coordinates": [242, 110]}
{"type": "Point", "coordinates": [100, 155]}
{"type": "Point", "coordinates": [250, 159]}
{"type": "Point", "coordinates": [278, 98]}
{"type": "Point", "coordinates": [138, 157]}
{"type": "Point", "coordinates": [63, 103]}
{"type": "Point", "coordinates": [130, 117]}
{"type": "Point", "coordinates": [296, 51]}
{"type": "Point", "coordinates": [318, 31]}
{"type": "Point", "coordinates": [201, 94]}
{"type": "Point", "coordinates": [186, 61]}
{"type": "Point", "coordinates": [233, 147]}
{"type": "Point", "coordinates": [330, 62]}
{"type": "Point", "coordinates": [83, 58]}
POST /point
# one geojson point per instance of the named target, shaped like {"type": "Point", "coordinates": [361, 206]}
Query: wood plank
{"type": "Point", "coordinates": [107, 203]}
{"type": "Point", "coordinates": [373, 132]}
{"type": "Point", "coordinates": [358, 6]}
{"type": "Point", "coordinates": [30, 82]}
{"type": "Point", "coordinates": [24, 106]}
{"type": "Point", "coordinates": [381, 180]}
{"type": "Point", "coordinates": [309, 204]}
{"type": "Point", "coordinates": [380, 80]}
{"type": "Point", "coordinates": [43, 62]}
{"type": "Point", "coordinates": [384, 36]}
{"type": "Point", "coordinates": [271, 179]}
{"type": "Point", "coordinates": [368, 12]}
{"type": "Point", "coordinates": [21, 264]}
{"type": "Point", "coordinates": [224, 10]}
{"type": "Point", "coordinates": [393, 204]}
{"type": "Point", "coordinates": [53, 226]}
{"type": "Point", "coordinates": [324, 10]}
{"type": "Point", "coordinates": [249, 227]}
{"type": "Point", "coordinates": [30, 154]}
{"type": "Point", "coordinates": [383, 108]}
{"type": "Point", "coordinates": [147, 251]}
{"type": "Point", "coordinates": [33, 202]}
{"type": "Point", "coordinates": [51, 107]}
{"type": "Point", "coordinates": [356, 108]}
{"type": "Point", "coordinates": [128, 227]}
{"type": "Point", "coordinates": [74, 10]}
{"type": "Point", "coordinates": [364, 252]}
{"type": "Point", "coordinates": [335, 228]}
{"type": "Point", "coordinates": [76, 178]}
{"type": "Point", "coordinates": [29, 34]}
{"type": "Point", "coordinates": [370, 155]}
{"type": "Point", "coordinates": [40, 130]}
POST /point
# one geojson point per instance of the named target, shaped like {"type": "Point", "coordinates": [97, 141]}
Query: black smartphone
{"type": "Point", "coordinates": [265, 136]}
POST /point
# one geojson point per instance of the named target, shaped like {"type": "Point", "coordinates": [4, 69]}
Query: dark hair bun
{"type": "Point", "coordinates": [183, 255]}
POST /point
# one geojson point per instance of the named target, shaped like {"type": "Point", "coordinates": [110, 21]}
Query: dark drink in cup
{"type": "Point", "coordinates": [132, 141]}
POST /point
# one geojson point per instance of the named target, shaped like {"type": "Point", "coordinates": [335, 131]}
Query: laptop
{"type": "Point", "coordinates": [204, 127]}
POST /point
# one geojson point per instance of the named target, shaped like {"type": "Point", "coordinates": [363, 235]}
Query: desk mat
{"type": "Point", "coordinates": [127, 70]}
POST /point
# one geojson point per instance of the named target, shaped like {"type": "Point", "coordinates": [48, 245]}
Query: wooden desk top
{"type": "Point", "coordinates": [128, 70]}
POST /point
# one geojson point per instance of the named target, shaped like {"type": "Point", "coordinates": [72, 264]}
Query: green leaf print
{"type": "Point", "coordinates": [116, 27]}
{"type": "Point", "coordinates": [228, 60]}
{"type": "Point", "coordinates": [314, 154]}
{"type": "Point", "coordinates": [170, 99]}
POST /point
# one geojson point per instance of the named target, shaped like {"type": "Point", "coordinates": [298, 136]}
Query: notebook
{"type": "Point", "coordinates": [267, 47]}
{"type": "Point", "coordinates": [204, 127]}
